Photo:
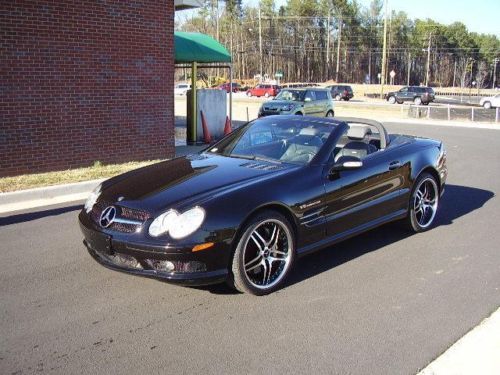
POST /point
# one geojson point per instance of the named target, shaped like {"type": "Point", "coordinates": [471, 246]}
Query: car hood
{"type": "Point", "coordinates": [185, 180]}
{"type": "Point", "coordinates": [280, 103]}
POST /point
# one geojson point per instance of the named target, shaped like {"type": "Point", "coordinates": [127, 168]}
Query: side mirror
{"type": "Point", "coordinates": [347, 163]}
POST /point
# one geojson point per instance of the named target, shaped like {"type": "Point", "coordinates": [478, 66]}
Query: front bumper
{"type": "Point", "coordinates": [192, 269]}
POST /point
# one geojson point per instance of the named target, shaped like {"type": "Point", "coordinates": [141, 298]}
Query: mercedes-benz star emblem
{"type": "Point", "coordinates": [107, 216]}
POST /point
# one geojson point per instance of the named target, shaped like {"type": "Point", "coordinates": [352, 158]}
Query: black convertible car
{"type": "Point", "coordinates": [247, 207]}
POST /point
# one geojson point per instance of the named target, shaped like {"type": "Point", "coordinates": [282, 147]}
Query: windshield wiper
{"type": "Point", "coordinates": [263, 158]}
{"type": "Point", "coordinates": [238, 156]}
{"type": "Point", "coordinates": [255, 157]}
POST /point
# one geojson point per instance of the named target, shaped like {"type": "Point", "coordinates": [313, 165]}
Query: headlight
{"type": "Point", "coordinates": [288, 107]}
{"type": "Point", "coordinates": [94, 195]}
{"type": "Point", "coordinates": [177, 225]}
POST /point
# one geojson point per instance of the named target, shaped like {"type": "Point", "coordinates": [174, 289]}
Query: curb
{"type": "Point", "coordinates": [45, 196]}
{"type": "Point", "coordinates": [475, 353]}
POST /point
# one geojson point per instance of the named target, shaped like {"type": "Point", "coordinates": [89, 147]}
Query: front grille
{"type": "Point", "coordinates": [122, 213]}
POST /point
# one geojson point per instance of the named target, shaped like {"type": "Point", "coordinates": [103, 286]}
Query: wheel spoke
{"type": "Point", "coordinates": [274, 259]}
{"type": "Point", "coordinates": [267, 273]}
{"type": "Point", "coordinates": [259, 245]}
{"type": "Point", "coordinates": [249, 263]}
{"type": "Point", "coordinates": [279, 252]}
{"type": "Point", "coordinates": [273, 242]}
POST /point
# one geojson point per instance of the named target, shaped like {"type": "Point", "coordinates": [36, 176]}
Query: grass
{"type": "Point", "coordinates": [93, 172]}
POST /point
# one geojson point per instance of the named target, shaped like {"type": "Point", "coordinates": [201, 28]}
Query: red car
{"type": "Point", "coordinates": [226, 86]}
{"type": "Point", "coordinates": [264, 90]}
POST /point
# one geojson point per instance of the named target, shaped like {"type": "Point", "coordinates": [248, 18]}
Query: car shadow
{"type": "Point", "coordinates": [46, 212]}
{"type": "Point", "coordinates": [456, 202]}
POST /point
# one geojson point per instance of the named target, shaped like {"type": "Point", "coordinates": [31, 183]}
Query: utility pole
{"type": "Point", "coordinates": [454, 72]}
{"type": "Point", "coordinates": [495, 62]}
{"type": "Point", "coordinates": [409, 68]}
{"type": "Point", "coordinates": [384, 49]}
{"type": "Point", "coordinates": [428, 60]}
{"type": "Point", "coordinates": [389, 45]}
{"type": "Point", "coordinates": [260, 45]}
{"type": "Point", "coordinates": [328, 45]}
{"type": "Point", "coordinates": [338, 50]}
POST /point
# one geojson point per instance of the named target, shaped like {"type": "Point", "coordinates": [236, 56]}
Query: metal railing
{"type": "Point", "coordinates": [450, 112]}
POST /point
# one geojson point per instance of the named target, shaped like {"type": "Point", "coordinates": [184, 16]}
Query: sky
{"type": "Point", "coordinates": [481, 16]}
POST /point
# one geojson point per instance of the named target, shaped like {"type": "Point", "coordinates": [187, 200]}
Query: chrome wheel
{"type": "Point", "coordinates": [425, 202]}
{"type": "Point", "coordinates": [267, 254]}
{"type": "Point", "coordinates": [392, 99]}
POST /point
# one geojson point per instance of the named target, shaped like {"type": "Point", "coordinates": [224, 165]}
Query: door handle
{"type": "Point", "coordinates": [394, 165]}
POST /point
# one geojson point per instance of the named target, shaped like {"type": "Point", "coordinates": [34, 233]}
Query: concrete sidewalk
{"type": "Point", "coordinates": [478, 352]}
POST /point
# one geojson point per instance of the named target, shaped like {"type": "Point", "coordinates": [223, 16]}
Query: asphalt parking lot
{"type": "Point", "coordinates": [385, 302]}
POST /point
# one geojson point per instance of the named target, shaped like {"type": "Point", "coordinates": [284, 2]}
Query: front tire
{"type": "Point", "coordinates": [264, 254]}
{"type": "Point", "coordinates": [487, 105]}
{"type": "Point", "coordinates": [329, 114]}
{"type": "Point", "coordinates": [266, 95]}
{"type": "Point", "coordinates": [417, 100]}
{"type": "Point", "coordinates": [249, 94]}
{"type": "Point", "coordinates": [424, 203]}
{"type": "Point", "coordinates": [338, 98]}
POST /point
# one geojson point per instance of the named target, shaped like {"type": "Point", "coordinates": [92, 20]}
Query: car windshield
{"type": "Point", "coordinates": [293, 95]}
{"type": "Point", "coordinates": [275, 140]}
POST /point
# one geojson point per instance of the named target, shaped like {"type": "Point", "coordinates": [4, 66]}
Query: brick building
{"type": "Point", "coordinates": [85, 81]}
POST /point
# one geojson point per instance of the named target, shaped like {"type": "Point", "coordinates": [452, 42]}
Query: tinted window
{"type": "Point", "coordinates": [321, 95]}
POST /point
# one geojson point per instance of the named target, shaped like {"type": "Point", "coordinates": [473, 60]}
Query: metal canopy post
{"type": "Point", "coordinates": [193, 125]}
{"type": "Point", "coordinates": [231, 94]}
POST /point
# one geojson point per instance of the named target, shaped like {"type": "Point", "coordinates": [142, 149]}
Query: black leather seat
{"type": "Point", "coordinates": [356, 147]}
{"type": "Point", "coordinates": [303, 147]}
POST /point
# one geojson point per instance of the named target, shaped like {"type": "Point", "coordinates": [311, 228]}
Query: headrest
{"type": "Point", "coordinates": [358, 132]}
{"type": "Point", "coordinates": [308, 131]}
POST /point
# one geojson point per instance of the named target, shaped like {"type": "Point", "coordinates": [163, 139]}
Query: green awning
{"type": "Point", "coordinates": [190, 47]}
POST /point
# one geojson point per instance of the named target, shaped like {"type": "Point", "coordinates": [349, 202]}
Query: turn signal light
{"type": "Point", "coordinates": [203, 246]}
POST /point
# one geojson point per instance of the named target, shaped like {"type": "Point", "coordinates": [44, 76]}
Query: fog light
{"type": "Point", "coordinates": [161, 265]}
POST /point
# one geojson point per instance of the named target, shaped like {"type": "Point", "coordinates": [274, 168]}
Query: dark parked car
{"type": "Point", "coordinates": [416, 94]}
{"type": "Point", "coordinates": [227, 87]}
{"type": "Point", "coordinates": [264, 90]}
{"type": "Point", "coordinates": [245, 209]}
{"type": "Point", "coordinates": [310, 102]}
{"type": "Point", "coordinates": [341, 92]}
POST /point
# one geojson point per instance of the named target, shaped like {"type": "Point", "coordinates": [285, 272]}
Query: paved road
{"type": "Point", "coordinates": [383, 303]}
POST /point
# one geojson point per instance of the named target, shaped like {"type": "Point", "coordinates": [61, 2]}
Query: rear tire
{"type": "Point", "coordinates": [264, 255]}
{"type": "Point", "coordinates": [330, 114]}
{"type": "Point", "coordinates": [417, 100]}
{"type": "Point", "coordinates": [249, 94]}
{"type": "Point", "coordinates": [266, 95]}
{"type": "Point", "coordinates": [392, 100]}
{"type": "Point", "coordinates": [338, 97]}
{"type": "Point", "coordinates": [423, 204]}
{"type": "Point", "coordinates": [299, 114]}
{"type": "Point", "coordinates": [487, 105]}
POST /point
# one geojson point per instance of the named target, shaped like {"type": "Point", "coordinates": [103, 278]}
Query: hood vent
{"type": "Point", "coordinates": [262, 166]}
